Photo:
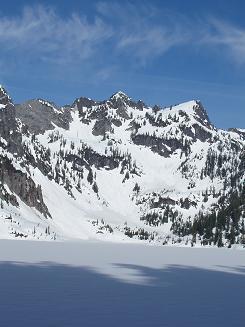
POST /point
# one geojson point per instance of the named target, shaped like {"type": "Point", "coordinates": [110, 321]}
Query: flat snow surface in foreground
{"type": "Point", "coordinates": [107, 284]}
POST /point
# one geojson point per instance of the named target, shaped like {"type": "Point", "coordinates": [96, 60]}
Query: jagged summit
{"type": "Point", "coordinates": [2, 89]}
{"type": "Point", "coordinates": [4, 97]}
{"type": "Point", "coordinates": [120, 95]}
{"type": "Point", "coordinates": [193, 108]}
{"type": "Point", "coordinates": [7, 118]}
{"type": "Point", "coordinates": [82, 102]}
{"type": "Point", "coordinates": [122, 101]}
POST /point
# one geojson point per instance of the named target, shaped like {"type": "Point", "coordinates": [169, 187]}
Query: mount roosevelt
{"type": "Point", "coordinates": [120, 170]}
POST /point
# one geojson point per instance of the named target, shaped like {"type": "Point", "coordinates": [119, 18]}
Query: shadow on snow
{"type": "Point", "coordinates": [49, 294]}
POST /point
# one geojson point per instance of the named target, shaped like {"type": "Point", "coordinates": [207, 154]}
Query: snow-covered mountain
{"type": "Point", "coordinates": [120, 170]}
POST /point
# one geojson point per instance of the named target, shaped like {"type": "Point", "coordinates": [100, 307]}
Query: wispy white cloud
{"type": "Point", "coordinates": [137, 32]}
{"type": "Point", "coordinates": [224, 34]}
{"type": "Point", "coordinates": [127, 28]}
{"type": "Point", "coordinates": [40, 30]}
{"type": "Point", "coordinates": [143, 31]}
{"type": "Point", "coordinates": [147, 32]}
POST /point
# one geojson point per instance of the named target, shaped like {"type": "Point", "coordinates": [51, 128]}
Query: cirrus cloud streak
{"type": "Point", "coordinates": [135, 32]}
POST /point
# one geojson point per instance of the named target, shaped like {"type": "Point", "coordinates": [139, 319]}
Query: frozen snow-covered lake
{"type": "Point", "coordinates": [107, 284]}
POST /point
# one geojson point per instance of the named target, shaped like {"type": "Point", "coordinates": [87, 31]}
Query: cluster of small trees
{"type": "Point", "coordinates": [156, 218]}
{"type": "Point", "coordinates": [224, 165]}
{"type": "Point", "coordinates": [140, 233]}
{"type": "Point", "coordinates": [157, 119]}
{"type": "Point", "coordinates": [223, 226]}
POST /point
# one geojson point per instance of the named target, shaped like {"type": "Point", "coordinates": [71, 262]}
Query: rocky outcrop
{"type": "Point", "coordinates": [40, 116]}
{"type": "Point", "coordinates": [23, 186]}
{"type": "Point", "coordinates": [91, 158]}
{"type": "Point", "coordinates": [102, 126]}
{"type": "Point", "coordinates": [7, 115]}
{"type": "Point", "coordinates": [164, 147]}
{"type": "Point", "coordinates": [162, 202]}
{"type": "Point", "coordinates": [240, 132]}
{"type": "Point", "coordinates": [201, 114]}
{"type": "Point", "coordinates": [121, 101]}
{"type": "Point", "coordinates": [196, 132]}
{"type": "Point", "coordinates": [82, 102]}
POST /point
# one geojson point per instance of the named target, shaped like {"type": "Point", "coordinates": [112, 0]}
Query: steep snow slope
{"type": "Point", "coordinates": [118, 169]}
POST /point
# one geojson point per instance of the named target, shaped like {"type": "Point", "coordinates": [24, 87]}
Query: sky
{"type": "Point", "coordinates": [162, 52]}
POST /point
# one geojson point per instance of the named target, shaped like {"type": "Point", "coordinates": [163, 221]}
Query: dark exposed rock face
{"type": "Point", "coordinates": [133, 127]}
{"type": "Point", "coordinates": [122, 112]}
{"type": "Point", "coordinates": [7, 115]}
{"type": "Point", "coordinates": [40, 161]}
{"type": "Point", "coordinates": [238, 131]}
{"type": "Point", "coordinates": [17, 181]}
{"type": "Point", "coordinates": [164, 147]}
{"type": "Point", "coordinates": [101, 127]}
{"type": "Point", "coordinates": [91, 158]}
{"type": "Point", "coordinates": [39, 116]}
{"type": "Point", "coordinates": [90, 110]}
{"type": "Point", "coordinates": [23, 186]}
{"type": "Point", "coordinates": [201, 134]}
{"type": "Point", "coordinates": [4, 97]}
{"type": "Point", "coordinates": [191, 130]}
{"type": "Point", "coordinates": [186, 203]}
{"type": "Point", "coordinates": [116, 122]}
{"type": "Point", "coordinates": [120, 101]}
{"type": "Point", "coordinates": [8, 124]}
{"type": "Point", "coordinates": [6, 196]}
{"type": "Point", "coordinates": [196, 132]}
{"type": "Point", "coordinates": [162, 202]}
{"type": "Point", "coordinates": [201, 114]}
{"type": "Point", "coordinates": [83, 102]}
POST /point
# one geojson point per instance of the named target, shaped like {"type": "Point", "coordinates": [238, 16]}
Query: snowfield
{"type": "Point", "coordinates": [110, 284]}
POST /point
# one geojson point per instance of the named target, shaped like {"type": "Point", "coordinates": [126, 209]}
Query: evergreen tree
{"type": "Point", "coordinates": [95, 188]}
{"type": "Point", "coordinates": [90, 176]}
{"type": "Point", "coordinates": [136, 188]}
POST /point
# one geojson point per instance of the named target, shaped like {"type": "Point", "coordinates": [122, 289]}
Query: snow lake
{"type": "Point", "coordinates": [112, 284]}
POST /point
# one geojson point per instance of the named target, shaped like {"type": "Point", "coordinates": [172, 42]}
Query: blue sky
{"type": "Point", "coordinates": [162, 52]}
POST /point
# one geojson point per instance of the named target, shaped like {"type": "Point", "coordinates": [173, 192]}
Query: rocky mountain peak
{"type": "Point", "coordinates": [192, 111]}
{"type": "Point", "coordinates": [40, 115]}
{"type": "Point", "coordinates": [81, 102]}
{"type": "Point", "coordinates": [120, 168]}
{"type": "Point", "coordinates": [7, 115]}
{"type": "Point", "coordinates": [202, 113]}
{"type": "Point", "coordinates": [4, 97]}
{"type": "Point", "coordinates": [119, 95]}
{"type": "Point", "coordinates": [121, 100]}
